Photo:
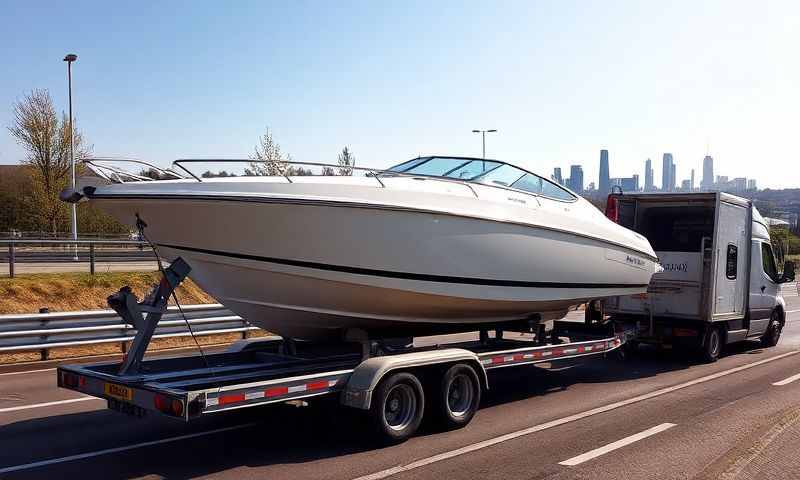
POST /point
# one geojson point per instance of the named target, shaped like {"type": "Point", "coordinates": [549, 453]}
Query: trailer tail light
{"type": "Point", "coordinates": [168, 406]}
{"type": "Point", "coordinates": [612, 208]}
{"type": "Point", "coordinates": [72, 380]}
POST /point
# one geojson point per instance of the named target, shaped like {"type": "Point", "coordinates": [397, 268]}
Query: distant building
{"type": "Point", "coordinates": [751, 184]}
{"type": "Point", "coordinates": [722, 179]}
{"type": "Point", "coordinates": [691, 183]}
{"type": "Point", "coordinates": [667, 171]}
{"type": "Point", "coordinates": [739, 184]}
{"type": "Point", "coordinates": [576, 178]}
{"type": "Point", "coordinates": [557, 176]}
{"type": "Point", "coordinates": [627, 184]}
{"type": "Point", "coordinates": [673, 180]}
{"type": "Point", "coordinates": [686, 186]}
{"type": "Point", "coordinates": [604, 183]}
{"type": "Point", "coordinates": [648, 176]}
{"type": "Point", "coordinates": [708, 173]}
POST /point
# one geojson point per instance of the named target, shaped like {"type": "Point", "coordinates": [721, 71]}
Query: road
{"type": "Point", "coordinates": [61, 267]}
{"type": "Point", "coordinates": [659, 415]}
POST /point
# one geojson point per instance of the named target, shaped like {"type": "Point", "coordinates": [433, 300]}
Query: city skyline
{"type": "Point", "coordinates": [669, 180]}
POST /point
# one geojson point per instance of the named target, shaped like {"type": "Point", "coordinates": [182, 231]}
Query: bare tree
{"type": "Point", "coordinates": [347, 160]}
{"type": "Point", "coordinates": [45, 139]}
{"type": "Point", "coordinates": [268, 158]}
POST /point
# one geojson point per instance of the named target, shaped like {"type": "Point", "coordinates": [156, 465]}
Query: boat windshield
{"type": "Point", "coordinates": [487, 172]}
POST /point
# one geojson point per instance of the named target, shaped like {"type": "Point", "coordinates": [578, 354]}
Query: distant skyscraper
{"type": "Point", "coordinates": [648, 176]}
{"type": "Point", "coordinates": [667, 182]}
{"type": "Point", "coordinates": [686, 186]}
{"type": "Point", "coordinates": [604, 184]}
{"type": "Point", "coordinates": [751, 184]}
{"type": "Point", "coordinates": [708, 173]}
{"type": "Point", "coordinates": [576, 178]}
{"type": "Point", "coordinates": [672, 179]}
{"type": "Point", "coordinates": [557, 176]}
{"type": "Point", "coordinates": [691, 183]}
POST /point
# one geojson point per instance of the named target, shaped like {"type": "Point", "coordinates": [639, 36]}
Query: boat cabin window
{"type": "Point", "coordinates": [487, 172]}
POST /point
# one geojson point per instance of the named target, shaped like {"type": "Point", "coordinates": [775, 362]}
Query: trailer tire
{"type": "Point", "coordinates": [773, 333]}
{"type": "Point", "coordinates": [397, 407]}
{"type": "Point", "coordinates": [712, 346]}
{"type": "Point", "coordinates": [457, 397]}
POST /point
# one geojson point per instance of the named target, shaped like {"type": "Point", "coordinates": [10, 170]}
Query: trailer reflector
{"type": "Point", "coordinates": [231, 398]}
{"type": "Point", "coordinates": [276, 391]}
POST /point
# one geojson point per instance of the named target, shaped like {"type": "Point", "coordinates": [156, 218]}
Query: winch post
{"type": "Point", "coordinates": [145, 315]}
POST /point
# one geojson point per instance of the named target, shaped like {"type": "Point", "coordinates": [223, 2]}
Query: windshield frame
{"type": "Point", "coordinates": [419, 161]}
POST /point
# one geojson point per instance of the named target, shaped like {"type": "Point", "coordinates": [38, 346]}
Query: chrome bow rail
{"type": "Point", "coordinates": [115, 174]}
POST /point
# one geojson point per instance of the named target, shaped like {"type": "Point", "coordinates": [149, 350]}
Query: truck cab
{"type": "Point", "coordinates": [720, 282]}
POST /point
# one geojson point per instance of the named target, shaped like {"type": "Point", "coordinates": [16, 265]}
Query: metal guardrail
{"type": "Point", "coordinates": [43, 331]}
{"type": "Point", "coordinates": [81, 250]}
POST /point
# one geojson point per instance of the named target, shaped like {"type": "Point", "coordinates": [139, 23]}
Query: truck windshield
{"type": "Point", "coordinates": [768, 260]}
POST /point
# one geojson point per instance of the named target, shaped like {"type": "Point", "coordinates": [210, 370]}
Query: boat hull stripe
{"type": "Point", "coordinates": [423, 277]}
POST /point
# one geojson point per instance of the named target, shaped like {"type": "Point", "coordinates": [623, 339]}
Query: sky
{"type": "Point", "coordinates": [559, 80]}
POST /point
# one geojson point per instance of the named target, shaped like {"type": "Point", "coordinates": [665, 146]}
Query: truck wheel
{"type": "Point", "coordinates": [713, 345]}
{"type": "Point", "coordinates": [397, 407]}
{"type": "Point", "coordinates": [773, 333]}
{"type": "Point", "coordinates": [458, 397]}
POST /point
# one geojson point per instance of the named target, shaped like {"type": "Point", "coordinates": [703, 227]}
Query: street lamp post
{"type": "Point", "coordinates": [71, 57]}
{"type": "Point", "coordinates": [483, 138]}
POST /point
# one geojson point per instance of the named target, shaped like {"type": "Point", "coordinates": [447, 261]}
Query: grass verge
{"type": "Point", "coordinates": [61, 292]}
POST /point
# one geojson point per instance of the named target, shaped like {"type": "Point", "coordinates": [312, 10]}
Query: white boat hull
{"type": "Point", "coordinates": [306, 268]}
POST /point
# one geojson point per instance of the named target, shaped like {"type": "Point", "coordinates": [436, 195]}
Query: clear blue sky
{"type": "Point", "coordinates": [560, 80]}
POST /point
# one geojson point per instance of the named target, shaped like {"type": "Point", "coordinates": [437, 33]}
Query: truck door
{"type": "Point", "coordinates": [764, 287]}
{"type": "Point", "coordinates": [730, 259]}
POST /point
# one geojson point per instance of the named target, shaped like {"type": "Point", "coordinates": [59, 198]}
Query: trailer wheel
{"type": "Point", "coordinates": [397, 407]}
{"type": "Point", "coordinates": [712, 347]}
{"type": "Point", "coordinates": [773, 333]}
{"type": "Point", "coordinates": [458, 397]}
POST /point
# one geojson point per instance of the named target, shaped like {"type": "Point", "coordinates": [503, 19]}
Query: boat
{"type": "Point", "coordinates": [437, 243]}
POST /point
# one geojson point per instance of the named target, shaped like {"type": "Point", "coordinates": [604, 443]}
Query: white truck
{"type": "Point", "coordinates": [720, 282]}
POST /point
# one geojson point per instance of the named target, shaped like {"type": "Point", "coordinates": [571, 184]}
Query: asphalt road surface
{"type": "Point", "coordinates": [61, 267]}
{"type": "Point", "coordinates": [658, 415]}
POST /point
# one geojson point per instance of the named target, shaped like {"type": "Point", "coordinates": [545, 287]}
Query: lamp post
{"type": "Point", "coordinates": [483, 138]}
{"type": "Point", "coordinates": [71, 57]}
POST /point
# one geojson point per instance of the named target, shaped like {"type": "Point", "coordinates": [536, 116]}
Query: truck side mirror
{"type": "Point", "coordinates": [788, 272]}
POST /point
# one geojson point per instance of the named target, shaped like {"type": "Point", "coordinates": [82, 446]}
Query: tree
{"type": "Point", "coordinates": [268, 158]}
{"type": "Point", "coordinates": [46, 140]}
{"type": "Point", "coordinates": [346, 161]}
{"type": "Point", "coordinates": [221, 173]}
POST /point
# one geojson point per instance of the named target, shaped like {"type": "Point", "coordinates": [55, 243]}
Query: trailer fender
{"type": "Point", "coordinates": [367, 375]}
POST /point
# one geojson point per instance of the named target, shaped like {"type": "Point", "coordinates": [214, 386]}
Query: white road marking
{"type": "Point", "coordinates": [787, 381]}
{"type": "Point", "coordinates": [564, 420]}
{"type": "Point", "coordinates": [792, 311]}
{"type": "Point", "coordinates": [616, 445]}
{"type": "Point", "coordinates": [27, 371]}
{"type": "Point", "coordinates": [81, 456]}
{"type": "Point", "coordinates": [47, 404]}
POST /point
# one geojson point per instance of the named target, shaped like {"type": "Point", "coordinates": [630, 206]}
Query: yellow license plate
{"type": "Point", "coordinates": [118, 391]}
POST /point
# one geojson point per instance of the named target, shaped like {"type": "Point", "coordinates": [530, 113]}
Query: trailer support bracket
{"type": "Point", "coordinates": [145, 315]}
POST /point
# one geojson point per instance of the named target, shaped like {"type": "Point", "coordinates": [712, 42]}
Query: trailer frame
{"type": "Point", "coordinates": [272, 370]}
